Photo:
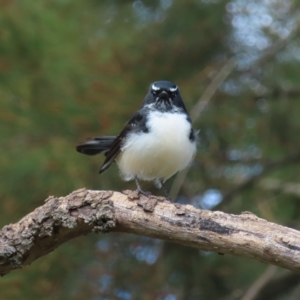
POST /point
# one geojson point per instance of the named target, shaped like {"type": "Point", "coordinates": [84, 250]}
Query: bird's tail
{"type": "Point", "coordinates": [96, 145]}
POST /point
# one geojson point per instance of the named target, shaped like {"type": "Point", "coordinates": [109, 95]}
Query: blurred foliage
{"type": "Point", "coordinates": [74, 69]}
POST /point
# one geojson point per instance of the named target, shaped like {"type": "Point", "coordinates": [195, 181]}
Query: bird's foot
{"type": "Point", "coordinates": [140, 191]}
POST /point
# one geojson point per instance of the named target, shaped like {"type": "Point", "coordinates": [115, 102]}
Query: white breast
{"type": "Point", "coordinates": [161, 152]}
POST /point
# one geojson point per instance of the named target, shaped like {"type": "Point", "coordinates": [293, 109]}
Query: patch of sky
{"type": "Point", "coordinates": [208, 200]}
{"type": "Point", "coordinates": [123, 294]}
{"type": "Point", "coordinates": [146, 253]}
{"type": "Point", "coordinates": [104, 282]}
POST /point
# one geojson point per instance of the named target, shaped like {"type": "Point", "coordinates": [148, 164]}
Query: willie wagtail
{"type": "Point", "coordinates": [157, 142]}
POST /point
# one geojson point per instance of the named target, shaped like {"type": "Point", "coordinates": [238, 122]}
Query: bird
{"type": "Point", "coordinates": [157, 142]}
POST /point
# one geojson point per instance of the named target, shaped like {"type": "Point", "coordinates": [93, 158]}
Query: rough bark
{"type": "Point", "coordinates": [84, 211]}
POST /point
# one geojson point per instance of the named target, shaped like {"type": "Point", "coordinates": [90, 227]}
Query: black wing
{"type": "Point", "coordinates": [136, 124]}
{"type": "Point", "coordinates": [96, 145]}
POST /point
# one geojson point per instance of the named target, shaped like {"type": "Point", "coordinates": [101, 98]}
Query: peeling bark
{"type": "Point", "coordinates": [83, 211]}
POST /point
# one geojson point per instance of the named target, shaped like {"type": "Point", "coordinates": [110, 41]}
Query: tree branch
{"type": "Point", "coordinates": [84, 211]}
{"type": "Point", "coordinates": [259, 284]}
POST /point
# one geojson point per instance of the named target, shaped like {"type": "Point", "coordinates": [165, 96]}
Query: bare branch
{"type": "Point", "coordinates": [212, 88]}
{"type": "Point", "coordinates": [279, 286]}
{"type": "Point", "coordinates": [83, 211]}
{"type": "Point", "coordinates": [260, 283]}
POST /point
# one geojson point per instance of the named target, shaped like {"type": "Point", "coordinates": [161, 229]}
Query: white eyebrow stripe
{"type": "Point", "coordinates": [154, 87]}
{"type": "Point", "coordinates": [173, 89]}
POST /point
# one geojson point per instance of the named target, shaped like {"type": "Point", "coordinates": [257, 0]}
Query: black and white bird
{"type": "Point", "coordinates": [157, 142]}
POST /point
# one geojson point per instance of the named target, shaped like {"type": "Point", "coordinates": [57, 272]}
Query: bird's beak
{"type": "Point", "coordinates": [163, 97]}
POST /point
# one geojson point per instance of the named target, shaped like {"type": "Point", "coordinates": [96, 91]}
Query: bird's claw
{"type": "Point", "coordinates": [140, 191]}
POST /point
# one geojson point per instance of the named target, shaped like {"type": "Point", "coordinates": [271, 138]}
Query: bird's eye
{"type": "Point", "coordinates": [173, 93]}
{"type": "Point", "coordinates": [155, 91]}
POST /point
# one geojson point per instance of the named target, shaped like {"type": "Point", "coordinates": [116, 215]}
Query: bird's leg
{"type": "Point", "coordinates": [139, 189]}
{"type": "Point", "coordinates": [165, 191]}
{"type": "Point", "coordinates": [159, 183]}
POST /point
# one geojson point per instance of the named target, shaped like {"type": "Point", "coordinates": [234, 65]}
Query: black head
{"type": "Point", "coordinates": [164, 95]}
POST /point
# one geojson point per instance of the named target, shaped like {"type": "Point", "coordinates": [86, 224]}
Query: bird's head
{"type": "Point", "coordinates": [164, 95]}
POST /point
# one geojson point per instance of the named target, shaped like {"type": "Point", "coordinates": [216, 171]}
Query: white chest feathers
{"type": "Point", "coordinates": [161, 152]}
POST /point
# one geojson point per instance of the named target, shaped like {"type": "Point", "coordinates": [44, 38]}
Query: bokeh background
{"type": "Point", "coordinates": [75, 69]}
